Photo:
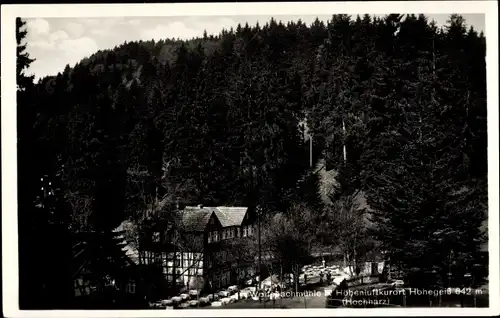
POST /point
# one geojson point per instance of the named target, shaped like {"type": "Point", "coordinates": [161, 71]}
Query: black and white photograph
{"type": "Point", "coordinates": [292, 157]}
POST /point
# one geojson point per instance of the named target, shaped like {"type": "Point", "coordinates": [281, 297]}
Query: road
{"type": "Point", "coordinates": [309, 301]}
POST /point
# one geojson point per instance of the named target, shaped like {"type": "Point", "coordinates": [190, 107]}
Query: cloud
{"type": "Point", "coordinates": [172, 30]}
{"type": "Point", "coordinates": [104, 27]}
{"type": "Point", "coordinates": [181, 30]}
{"type": "Point", "coordinates": [38, 26]}
{"type": "Point", "coordinates": [78, 48]}
{"type": "Point", "coordinates": [100, 32]}
{"type": "Point", "coordinates": [48, 43]}
{"type": "Point", "coordinates": [58, 35]}
{"type": "Point", "coordinates": [135, 22]}
{"type": "Point", "coordinates": [90, 21]}
{"type": "Point", "coordinates": [43, 45]}
{"type": "Point", "coordinates": [76, 29]}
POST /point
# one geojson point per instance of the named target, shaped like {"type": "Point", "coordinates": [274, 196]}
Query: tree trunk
{"type": "Point", "coordinates": [238, 279]}
{"type": "Point", "coordinates": [174, 266]}
{"type": "Point", "coordinates": [354, 260]}
{"type": "Point", "coordinates": [281, 281]}
{"type": "Point", "coordinates": [296, 278]}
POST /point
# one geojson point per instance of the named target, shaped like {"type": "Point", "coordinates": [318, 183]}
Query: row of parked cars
{"type": "Point", "coordinates": [192, 299]}
{"type": "Point", "coordinates": [185, 300]}
{"type": "Point", "coordinates": [318, 270]}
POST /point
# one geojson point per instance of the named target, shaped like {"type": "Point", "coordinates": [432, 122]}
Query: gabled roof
{"type": "Point", "coordinates": [231, 216]}
{"type": "Point", "coordinates": [196, 218]}
{"type": "Point", "coordinates": [129, 249]}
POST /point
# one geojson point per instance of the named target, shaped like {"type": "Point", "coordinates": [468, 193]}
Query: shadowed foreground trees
{"type": "Point", "coordinates": [395, 105]}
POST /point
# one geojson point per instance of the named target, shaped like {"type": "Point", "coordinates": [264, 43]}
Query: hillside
{"type": "Point", "coordinates": [215, 121]}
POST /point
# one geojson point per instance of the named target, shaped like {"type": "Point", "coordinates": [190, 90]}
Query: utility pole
{"type": "Point", "coordinates": [344, 146]}
{"type": "Point", "coordinates": [310, 150]}
{"type": "Point", "coordinates": [260, 254]}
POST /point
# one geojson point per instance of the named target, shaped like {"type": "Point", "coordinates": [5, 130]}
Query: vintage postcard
{"type": "Point", "coordinates": [249, 159]}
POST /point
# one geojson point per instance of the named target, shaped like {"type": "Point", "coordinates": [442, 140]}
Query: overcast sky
{"type": "Point", "coordinates": [55, 42]}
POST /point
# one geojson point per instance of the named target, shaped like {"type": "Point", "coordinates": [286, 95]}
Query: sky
{"type": "Point", "coordinates": [56, 42]}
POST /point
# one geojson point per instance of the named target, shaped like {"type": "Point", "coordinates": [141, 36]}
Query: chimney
{"type": "Point", "coordinates": [200, 206]}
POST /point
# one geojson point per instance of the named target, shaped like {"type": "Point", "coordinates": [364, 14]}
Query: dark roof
{"type": "Point", "coordinates": [196, 218]}
{"type": "Point", "coordinates": [129, 249]}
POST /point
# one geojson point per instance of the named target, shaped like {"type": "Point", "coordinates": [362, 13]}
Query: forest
{"type": "Point", "coordinates": [395, 107]}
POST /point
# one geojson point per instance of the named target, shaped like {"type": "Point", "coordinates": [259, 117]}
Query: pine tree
{"type": "Point", "coordinates": [419, 191]}
{"type": "Point", "coordinates": [23, 58]}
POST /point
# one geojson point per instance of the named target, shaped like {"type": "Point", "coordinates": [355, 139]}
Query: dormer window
{"type": "Point", "coordinates": [212, 221]}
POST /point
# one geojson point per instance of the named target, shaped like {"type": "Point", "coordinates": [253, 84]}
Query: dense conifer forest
{"type": "Point", "coordinates": [396, 107]}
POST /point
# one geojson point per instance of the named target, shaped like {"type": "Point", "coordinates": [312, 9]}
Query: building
{"type": "Point", "coordinates": [195, 247]}
{"type": "Point", "coordinates": [115, 261]}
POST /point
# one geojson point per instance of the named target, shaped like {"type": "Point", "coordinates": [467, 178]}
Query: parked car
{"type": "Point", "coordinates": [193, 303]}
{"type": "Point", "coordinates": [223, 293]}
{"type": "Point", "coordinates": [204, 301]}
{"type": "Point", "coordinates": [225, 300]}
{"type": "Point", "coordinates": [185, 297]}
{"type": "Point", "coordinates": [176, 300]}
{"type": "Point", "coordinates": [233, 289]}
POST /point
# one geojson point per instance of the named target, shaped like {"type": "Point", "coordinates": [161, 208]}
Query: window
{"type": "Point", "coordinates": [244, 231]}
{"type": "Point", "coordinates": [212, 221]}
{"type": "Point", "coordinates": [238, 232]}
{"type": "Point", "coordinates": [178, 261]}
{"type": "Point", "coordinates": [156, 237]}
{"type": "Point", "coordinates": [164, 259]}
{"type": "Point", "coordinates": [224, 233]}
{"type": "Point", "coordinates": [249, 230]}
{"type": "Point", "coordinates": [158, 259]}
{"type": "Point", "coordinates": [216, 236]}
{"type": "Point", "coordinates": [209, 237]}
{"type": "Point", "coordinates": [131, 287]}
